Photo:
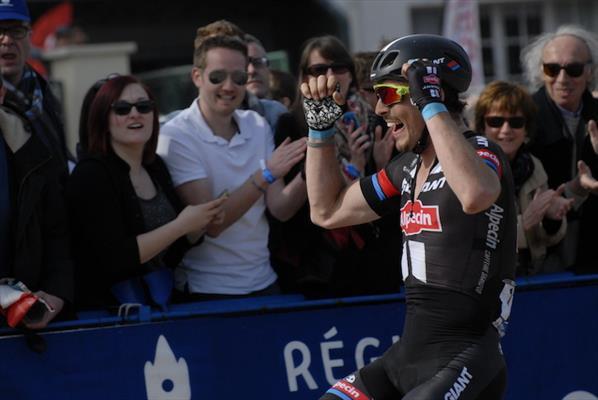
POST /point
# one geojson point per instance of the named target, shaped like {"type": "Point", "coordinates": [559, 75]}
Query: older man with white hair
{"type": "Point", "coordinates": [562, 65]}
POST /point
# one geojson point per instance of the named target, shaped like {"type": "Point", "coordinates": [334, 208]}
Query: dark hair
{"type": "Point", "coordinates": [363, 66]}
{"type": "Point", "coordinates": [83, 145]}
{"type": "Point", "coordinates": [509, 97]}
{"type": "Point", "coordinates": [282, 84]}
{"type": "Point", "coordinates": [98, 124]}
{"type": "Point", "coordinates": [249, 38]}
{"type": "Point", "coordinates": [330, 48]}
{"type": "Point", "coordinates": [217, 41]}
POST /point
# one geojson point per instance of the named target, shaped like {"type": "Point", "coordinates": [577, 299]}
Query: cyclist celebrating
{"type": "Point", "coordinates": [455, 192]}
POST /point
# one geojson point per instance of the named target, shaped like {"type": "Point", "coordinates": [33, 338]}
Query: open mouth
{"type": "Point", "coordinates": [226, 97]}
{"type": "Point", "coordinates": [396, 127]}
{"type": "Point", "coordinates": [9, 56]}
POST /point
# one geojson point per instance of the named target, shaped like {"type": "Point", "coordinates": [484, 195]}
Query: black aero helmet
{"type": "Point", "coordinates": [449, 56]}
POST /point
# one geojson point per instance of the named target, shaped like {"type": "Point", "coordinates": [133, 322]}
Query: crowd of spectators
{"type": "Point", "coordinates": [216, 196]}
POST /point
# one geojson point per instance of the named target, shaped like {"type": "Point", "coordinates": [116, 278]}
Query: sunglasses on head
{"type": "Point", "coordinates": [100, 82]}
{"type": "Point", "coordinates": [574, 70]}
{"type": "Point", "coordinates": [122, 107]}
{"type": "Point", "coordinates": [321, 69]}
{"type": "Point", "coordinates": [497, 122]}
{"type": "Point", "coordinates": [218, 76]}
{"type": "Point", "coordinates": [390, 93]}
{"type": "Point", "coordinates": [258, 62]}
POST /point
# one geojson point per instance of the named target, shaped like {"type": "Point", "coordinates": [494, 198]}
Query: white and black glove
{"type": "Point", "coordinates": [321, 115]}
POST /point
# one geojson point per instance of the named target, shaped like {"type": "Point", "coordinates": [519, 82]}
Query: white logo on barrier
{"type": "Point", "coordinates": [166, 379]}
{"type": "Point", "coordinates": [580, 395]}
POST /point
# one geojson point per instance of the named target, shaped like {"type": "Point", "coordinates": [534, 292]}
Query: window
{"type": "Point", "coordinates": [505, 31]}
{"type": "Point", "coordinates": [427, 20]}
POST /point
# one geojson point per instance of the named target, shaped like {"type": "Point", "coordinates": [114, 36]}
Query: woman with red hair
{"type": "Point", "coordinates": [125, 217]}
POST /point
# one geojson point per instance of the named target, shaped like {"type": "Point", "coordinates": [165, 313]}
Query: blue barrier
{"type": "Point", "coordinates": [287, 347]}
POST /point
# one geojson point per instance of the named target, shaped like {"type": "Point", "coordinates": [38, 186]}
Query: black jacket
{"type": "Point", "coordinates": [41, 256]}
{"type": "Point", "coordinates": [49, 125]}
{"type": "Point", "coordinates": [553, 147]}
{"type": "Point", "coordinates": [105, 220]}
{"type": "Point", "coordinates": [555, 150]}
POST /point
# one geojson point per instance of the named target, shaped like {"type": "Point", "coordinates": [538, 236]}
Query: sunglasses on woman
{"type": "Point", "coordinates": [122, 107]}
{"type": "Point", "coordinates": [497, 122]}
{"type": "Point", "coordinates": [390, 93]}
{"type": "Point", "coordinates": [321, 69]}
{"type": "Point", "coordinates": [218, 76]}
{"type": "Point", "coordinates": [574, 70]}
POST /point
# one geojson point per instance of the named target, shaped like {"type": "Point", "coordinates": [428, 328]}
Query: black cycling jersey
{"type": "Point", "coordinates": [458, 270]}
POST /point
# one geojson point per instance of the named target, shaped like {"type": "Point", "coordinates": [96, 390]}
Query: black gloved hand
{"type": "Point", "coordinates": [321, 114]}
{"type": "Point", "coordinates": [424, 83]}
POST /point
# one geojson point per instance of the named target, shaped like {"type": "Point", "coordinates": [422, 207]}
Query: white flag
{"type": "Point", "coordinates": [462, 24]}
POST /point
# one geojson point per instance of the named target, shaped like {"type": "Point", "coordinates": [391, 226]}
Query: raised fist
{"type": "Point", "coordinates": [424, 83]}
{"type": "Point", "coordinates": [321, 115]}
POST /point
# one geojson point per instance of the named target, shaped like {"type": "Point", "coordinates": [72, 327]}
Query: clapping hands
{"type": "Point", "coordinates": [358, 142]}
{"type": "Point", "coordinates": [546, 203]}
{"type": "Point", "coordinates": [586, 180]}
{"type": "Point", "coordinates": [286, 155]}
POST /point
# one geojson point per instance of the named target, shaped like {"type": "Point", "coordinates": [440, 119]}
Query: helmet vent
{"type": "Point", "coordinates": [389, 59]}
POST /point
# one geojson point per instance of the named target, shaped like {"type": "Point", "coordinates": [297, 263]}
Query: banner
{"type": "Point", "coordinates": [295, 350]}
{"type": "Point", "coordinates": [462, 24]}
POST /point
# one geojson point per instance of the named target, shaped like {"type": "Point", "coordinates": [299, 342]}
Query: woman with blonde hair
{"type": "Point", "coordinates": [505, 113]}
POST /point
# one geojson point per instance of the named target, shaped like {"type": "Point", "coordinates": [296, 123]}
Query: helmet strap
{"type": "Point", "coordinates": [423, 141]}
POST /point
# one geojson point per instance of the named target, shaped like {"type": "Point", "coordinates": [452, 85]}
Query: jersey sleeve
{"type": "Point", "coordinates": [490, 153]}
{"type": "Point", "coordinates": [382, 190]}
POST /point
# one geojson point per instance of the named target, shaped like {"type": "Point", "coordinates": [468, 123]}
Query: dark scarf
{"type": "Point", "coordinates": [523, 167]}
{"type": "Point", "coordinates": [28, 96]}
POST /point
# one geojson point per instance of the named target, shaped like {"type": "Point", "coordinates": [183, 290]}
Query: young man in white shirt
{"type": "Point", "coordinates": [212, 148]}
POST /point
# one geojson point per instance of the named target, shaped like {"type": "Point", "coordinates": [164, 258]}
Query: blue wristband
{"type": "Point", "coordinates": [352, 170]}
{"type": "Point", "coordinates": [266, 173]}
{"type": "Point", "coordinates": [268, 177]}
{"type": "Point", "coordinates": [321, 135]}
{"type": "Point", "coordinates": [432, 109]}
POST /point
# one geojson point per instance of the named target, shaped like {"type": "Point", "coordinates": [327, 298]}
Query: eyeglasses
{"type": "Point", "coordinates": [390, 93]}
{"type": "Point", "coordinates": [15, 32]}
{"type": "Point", "coordinates": [574, 70]}
{"type": "Point", "coordinates": [259, 62]}
{"type": "Point", "coordinates": [218, 76]}
{"type": "Point", "coordinates": [497, 122]}
{"type": "Point", "coordinates": [321, 69]}
{"type": "Point", "coordinates": [122, 107]}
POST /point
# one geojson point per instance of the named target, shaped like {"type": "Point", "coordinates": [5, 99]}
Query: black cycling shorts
{"type": "Point", "coordinates": [477, 372]}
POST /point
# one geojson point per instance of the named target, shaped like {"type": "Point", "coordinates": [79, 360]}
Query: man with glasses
{"type": "Point", "coordinates": [257, 68]}
{"type": "Point", "coordinates": [258, 83]}
{"type": "Point", "coordinates": [26, 88]}
{"type": "Point", "coordinates": [34, 242]}
{"type": "Point", "coordinates": [562, 66]}
{"type": "Point", "coordinates": [455, 193]}
{"type": "Point", "coordinates": [213, 148]}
